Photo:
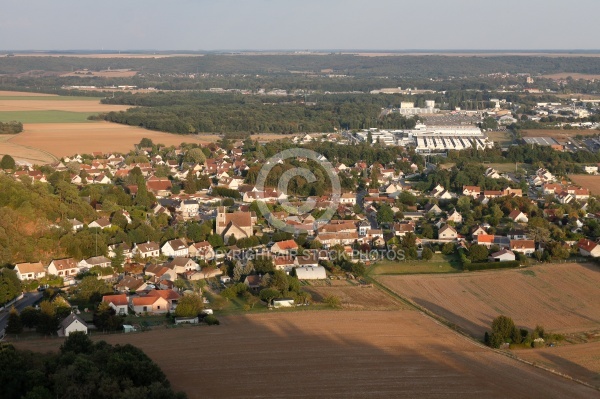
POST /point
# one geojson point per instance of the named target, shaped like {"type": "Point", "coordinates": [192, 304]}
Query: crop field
{"type": "Point", "coordinates": [574, 75]}
{"type": "Point", "coordinates": [63, 139]}
{"type": "Point", "coordinates": [335, 354]}
{"type": "Point", "coordinates": [107, 73]}
{"type": "Point", "coordinates": [590, 182]}
{"type": "Point", "coordinates": [58, 103]}
{"type": "Point", "coordinates": [558, 134]}
{"type": "Point", "coordinates": [438, 264]}
{"type": "Point", "coordinates": [560, 297]}
{"type": "Point", "coordinates": [579, 361]}
{"type": "Point", "coordinates": [27, 117]}
{"type": "Point", "coordinates": [354, 297]}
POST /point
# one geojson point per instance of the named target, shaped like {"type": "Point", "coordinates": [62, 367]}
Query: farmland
{"type": "Point", "coordinates": [587, 181]}
{"type": "Point", "coordinates": [438, 264]}
{"type": "Point", "coordinates": [560, 297]}
{"type": "Point", "coordinates": [558, 134]}
{"type": "Point", "coordinates": [46, 116]}
{"type": "Point", "coordinates": [579, 361]}
{"type": "Point", "coordinates": [329, 354]}
{"type": "Point", "coordinates": [354, 297]}
{"type": "Point", "coordinates": [63, 139]}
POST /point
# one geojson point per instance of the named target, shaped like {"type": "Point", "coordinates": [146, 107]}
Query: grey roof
{"type": "Point", "coordinates": [70, 319]}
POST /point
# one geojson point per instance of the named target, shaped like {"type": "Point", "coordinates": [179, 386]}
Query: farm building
{"type": "Point", "coordinates": [504, 255]}
{"type": "Point", "coordinates": [311, 273]}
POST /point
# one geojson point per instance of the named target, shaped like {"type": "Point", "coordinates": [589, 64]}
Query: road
{"type": "Point", "coordinates": [28, 299]}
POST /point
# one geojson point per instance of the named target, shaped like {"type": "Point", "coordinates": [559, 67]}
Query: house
{"type": "Point", "coordinates": [181, 265]}
{"type": "Point", "coordinates": [432, 208]}
{"type": "Point", "coordinates": [588, 248]}
{"type": "Point", "coordinates": [311, 273]}
{"type": "Point", "coordinates": [518, 216]}
{"type": "Point", "coordinates": [149, 304]}
{"type": "Point", "coordinates": [175, 248]}
{"type": "Point", "coordinates": [471, 191]}
{"type": "Point", "coordinates": [119, 303]}
{"type": "Point", "coordinates": [149, 249]}
{"type": "Point", "coordinates": [202, 251]}
{"type": "Point", "coordinates": [237, 224]}
{"type": "Point", "coordinates": [348, 199]}
{"type": "Point", "coordinates": [286, 247]}
{"type": "Point", "coordinates": [441, 193]}
{"type": "Point", "coordinates": [102, 223]}
{"type": "Point", "coordinates": [253, 281]}
{"type": "Point", "coordinates": [76, 224]}
{"type": "Point", "coordinates": [592, 170]}
{"type": "Point", "coordinates": [455, 217]}
{"type": "Point", "coordinates": [125, 248]}
{"type": "Point", "coordinates": [63, 268]}
{"type": "Point", "coordinates": [447, 232]}
{"type": "Point", "coordinates": [130, 284]}
{"type": "Point", "coordinates": [526, 247]}
{"type": "Point", "coordinates": [100, 261]}
{"type": "Point", "coordinates": [477, 231]}
{"type": "Point", "coordinates": [504, 255]}
{"type": "Point", "coordinates": [169, 295]}
{"type": "Point", "coordinates": [401, 229]}
{"type": "Point", "coordinates": [71, 324]}
{"type": "Point", "coordinates": [30, 271]}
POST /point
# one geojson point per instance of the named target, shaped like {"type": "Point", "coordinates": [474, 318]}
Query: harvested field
{"type": "Point", "coordinates": [590, 182]}
{"type": "Point", "coordinates": [560, 297]}
{"type": "Point", "coordinates": [335, 355]}
{"type": "Point", "coordinates": [355, 297]}
{"type": "Point", "coordinates": [23, 154]}
{"type": "Point", "coordinates": [63, 139]}
{"type": "Point", "coordinates": [558, 134]}
{"type": "Point", "coordinates": [580, 361]}
{"type": "Point", "coordinates": [91, 105]}
{"type": "Point", "coordinates": [4, 93]}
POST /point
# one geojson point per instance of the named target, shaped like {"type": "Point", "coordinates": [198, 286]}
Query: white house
{"type": "Point", "coordinates": [147, 250]}
{"type": "Point", "coordinates": [348, 199]}
{"type": "Point", "coordinates": [66, 268]}
{"type": "Point", "coordinates": [119, 303]}
{"type": "Point", "coordinates": [447, 233]}
{"type": "Point", "coordinates": [504, 255]}
{"type": "Point", "coordinates": [175, 248]}
{"type": "Point", "coordinates": [518, 216]}
{"type": "Point", "coordinates": [30, 271]}
{"type": "Point", "coordinates": [70, 324]}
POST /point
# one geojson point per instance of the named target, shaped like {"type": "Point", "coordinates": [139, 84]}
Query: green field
{"type": "Point", "coordinates": [45, 116]}
{"type": "Point", "coordinates": [438, 264]}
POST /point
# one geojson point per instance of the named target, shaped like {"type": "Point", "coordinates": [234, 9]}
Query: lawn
{"type": "Point", "coordinates": [45, 116]}
{"type": "Point", "coordinates": [438, 264]}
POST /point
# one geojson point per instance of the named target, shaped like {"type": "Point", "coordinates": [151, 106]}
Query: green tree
{"type": "Point", "coordinates": [427, 254]}
{"type": "Point", "coordinates": [268, 294]}
{"type": "Point", "coordinates": [190, 305]}
{"type": "Point", "coordinates": [14, 326]}
{"type": "Point", "coordinates": [118, 260]}
{"type": "Point", "coordinates": [478, 253]}
{"type": "Point", "coordinates": [30, 316]}
{"type": "Point", "coordinates": [106, 318]}
{"type": "Point", "coordinates": [332, 301]}
{"type": "Point", "coordinates": [91, 289]}
{"type": "Point", "coordinates": [195, 155]}
{"type": "Point", "coordinates": [448, 248]}
{"type": "Point", "coordinates": [216, 241]}
{"type": "Point", "coordinates": [10, 285]}
{"type": "Point", "coordinates": [7, 162]}
{"type": "Point", "coordinates": [385, 214]}
{"type": "Point", "coordinates": [263, 264]}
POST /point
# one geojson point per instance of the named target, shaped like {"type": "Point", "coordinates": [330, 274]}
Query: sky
{"type": "Point", "coordinates": [298, 25]}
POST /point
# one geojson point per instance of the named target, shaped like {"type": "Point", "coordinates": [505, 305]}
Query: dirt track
{"type": "Point", "coordinates": [329, 354]}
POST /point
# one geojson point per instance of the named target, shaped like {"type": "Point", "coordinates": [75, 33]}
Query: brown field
{"type": "Point", "coordinates": [104, 55]}
{"type": "Point", "coordinates": [64, 139]}
{"type": "Point", "coordinates": [24, 154]}
{"type": "Point", "coordinates": [564, 75]}
{"type": "Point", "coordinates": [558, 134]}
{"type": "Point", "coordinates": [578, 361]}
{"type": "Point", "coordinates": [25, 94]}
{"type": "Point", "coordinates": [328, 354]}
{"type": "Point", "coordinates": [356, 297]}
{"type": "Point", "coordinates": [590, 182]}
{"type": "Point", "coordinates": [560, 297]}
{"type": "Point", "coordinates": [51, 105]}
{"type": "Point", "coordinates": [108, 73]}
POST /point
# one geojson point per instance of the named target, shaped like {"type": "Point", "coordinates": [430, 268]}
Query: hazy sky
{"type": "Point", "coordinates": [295, 24]}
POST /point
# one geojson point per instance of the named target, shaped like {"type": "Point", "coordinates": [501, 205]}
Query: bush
{"type": "Point", "coordinates": [427, 254]}
{"type": "Point", "coordinates": [333, 301]}
{"type": "Point", "coordinates": [211, 320]}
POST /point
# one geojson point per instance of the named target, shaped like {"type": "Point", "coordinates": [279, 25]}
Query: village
{"type": "Point", "coordinates": [218, 240]}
